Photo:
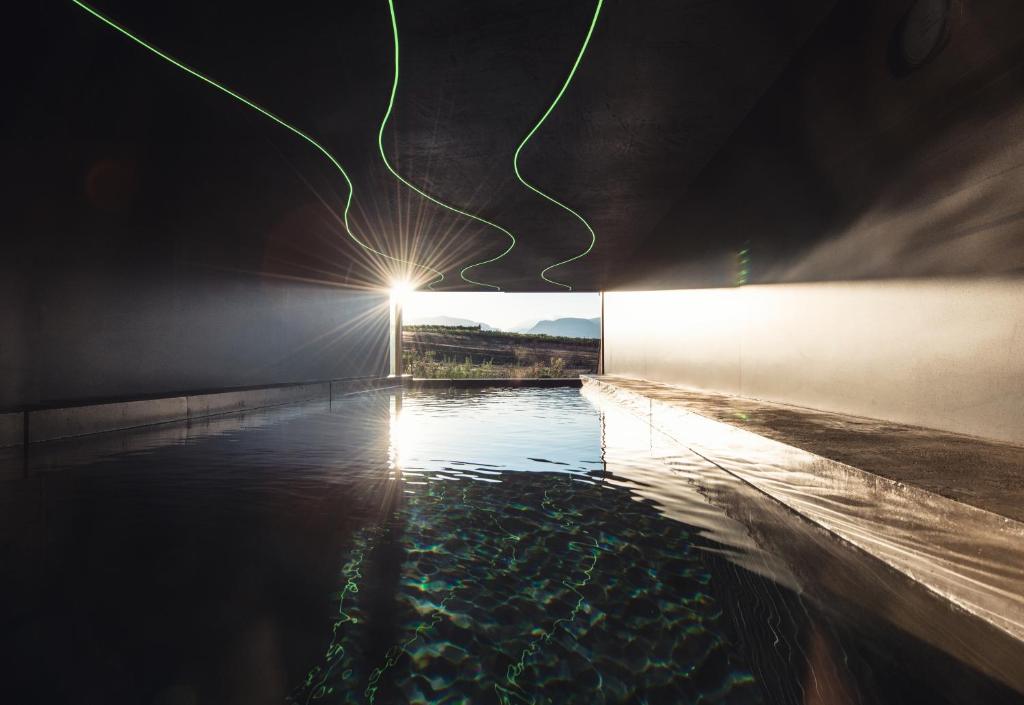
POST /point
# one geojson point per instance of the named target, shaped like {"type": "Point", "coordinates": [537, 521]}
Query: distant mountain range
{"type": "Point", "coordinates": [569, 327]}
{"type": "Point", "coordinates": [522, 326]}
{"type": "Point", "coordinates": [446, 321]}
{"type": "Point", "coordinates": [565, 327]}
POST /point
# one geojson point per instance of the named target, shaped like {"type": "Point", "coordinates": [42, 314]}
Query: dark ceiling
{"type": "Point", "coordinates": [117, 149]}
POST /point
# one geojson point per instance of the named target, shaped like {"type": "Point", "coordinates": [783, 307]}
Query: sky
{"type": "Point", "coordinates": [501, 310]}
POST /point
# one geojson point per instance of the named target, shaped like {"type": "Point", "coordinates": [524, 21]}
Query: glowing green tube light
{"type": "Point", "coordinates": [529, 135]}
{"type": "Point", "coordinates": [279, 121]}
{"type": "Point", "coordinates": [421, 192]}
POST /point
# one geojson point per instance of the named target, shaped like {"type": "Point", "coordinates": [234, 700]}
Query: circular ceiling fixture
{"type": "Point", "coordinates": [920, 35]}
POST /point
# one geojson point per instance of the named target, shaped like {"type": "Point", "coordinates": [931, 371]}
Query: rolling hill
{"type": "Point", "coordinates": [446, 321]}
{"type": "Point", "coordinates": [569, 327]}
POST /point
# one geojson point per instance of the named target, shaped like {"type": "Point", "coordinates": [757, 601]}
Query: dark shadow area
{"type": "Point", "coordinates": [193, 571]}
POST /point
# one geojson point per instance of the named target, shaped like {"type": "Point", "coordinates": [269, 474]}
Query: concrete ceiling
{"type": "Point", "coordinates": [662, 87]}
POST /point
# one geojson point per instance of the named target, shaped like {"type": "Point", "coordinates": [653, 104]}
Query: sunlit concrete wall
{"type": "Point", "coordinates": [941, 353]}
{"type": "Point", "coordinates": [83, 335]}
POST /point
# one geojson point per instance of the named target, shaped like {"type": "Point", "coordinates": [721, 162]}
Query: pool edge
{"type": "Point", "coordinates": [972, 534]}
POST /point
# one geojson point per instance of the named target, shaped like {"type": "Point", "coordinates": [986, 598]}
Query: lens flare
{"type": "Point", "coordinates": [403, 180]}
{"type": "Point", "coordinates": [401, 289]}
{"type": "Point", "coordinates": [266, 113]}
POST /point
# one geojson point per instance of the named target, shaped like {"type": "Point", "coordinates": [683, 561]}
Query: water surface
{"type": "Point", "coordinates": [491, 546]}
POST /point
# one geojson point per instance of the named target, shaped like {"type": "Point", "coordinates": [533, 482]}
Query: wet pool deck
{"type": "Point", "coordinates": [943, 509]}
{"type": "Point", "coordinates": [985, 474]}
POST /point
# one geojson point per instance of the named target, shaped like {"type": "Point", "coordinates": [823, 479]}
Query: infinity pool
{"type": "Point", "coordinates": [494, 546]}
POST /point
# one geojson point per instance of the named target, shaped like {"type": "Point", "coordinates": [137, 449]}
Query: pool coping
{"type": "Point", "coordinates": [477, 383]}
{"type": "Point", "coordinates": [970, 556]}
{"type": "Point", "coordinates": [928, 459]}
{"type": "Point", "coordinates": [54, 422]}
{"type": "Point", "coordinates": [57, 421]}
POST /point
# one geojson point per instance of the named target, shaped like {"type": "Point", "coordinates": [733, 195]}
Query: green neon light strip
{"type": "Point", "coordinates": [266, 113]}
{"type": "Point", "coordinates": [453, 209]}
{"type": "Point", "coordinates": [515, 159]}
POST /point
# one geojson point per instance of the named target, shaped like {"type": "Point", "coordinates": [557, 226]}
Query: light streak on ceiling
{"type": "Point", "coordinates": [432, 199]}
{"type": "Point", "coordinates": [348, 182]}
{"type": "Point", "coordinates": [529, 135]}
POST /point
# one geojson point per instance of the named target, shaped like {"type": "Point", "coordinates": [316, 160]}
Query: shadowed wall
{"type": "Point", "coordinates": [851, 167]}
{"type": "Point", "coordinates": [160, 237]}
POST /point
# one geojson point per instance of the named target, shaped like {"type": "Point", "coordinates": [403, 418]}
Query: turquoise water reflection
{"type": "Point", "coordinates": [533, 589]}
{"type": "Point", "coordinates": [525, 578]}
{"type": "Point", "coordinates": [537, 548]}
{"type": "Point", "coordinates": [523, 546]}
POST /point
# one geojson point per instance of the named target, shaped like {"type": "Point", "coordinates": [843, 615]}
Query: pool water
{"type": "Point", "coordinates": [490, 546]}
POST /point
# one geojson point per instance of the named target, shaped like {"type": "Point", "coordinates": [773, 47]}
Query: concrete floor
{"type": "Point", "coordinates": [941, 509]}
{"type": "Point", "coordinates": [985, 474]}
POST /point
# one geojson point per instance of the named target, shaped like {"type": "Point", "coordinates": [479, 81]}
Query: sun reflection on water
{"type": "Point", "coordinates": [404, 437]}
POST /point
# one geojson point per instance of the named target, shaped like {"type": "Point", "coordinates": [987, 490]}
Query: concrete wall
{"type": "Point", "coordinates": [55, 423]}
{"type": "Point", "coordinates": [849, 169]}
{"type": "Point", "coordinates": [97, 335]}
{"type": "Point", "coordinates": [162, 239]}
{"type": "Point", "coordinates": [941, 353]}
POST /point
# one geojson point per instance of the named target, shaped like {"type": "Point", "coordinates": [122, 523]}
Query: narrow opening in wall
{"type": "Point", "coordinates": [461, 335]}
